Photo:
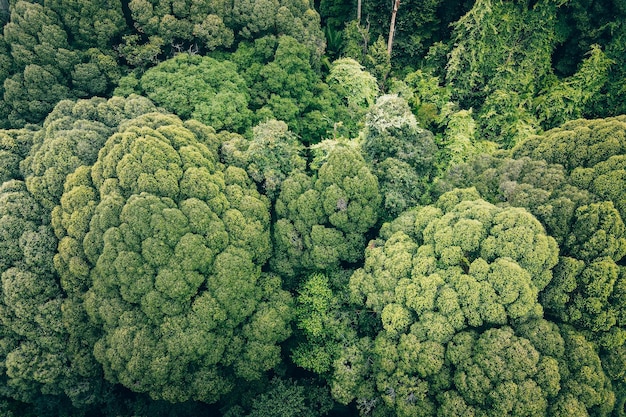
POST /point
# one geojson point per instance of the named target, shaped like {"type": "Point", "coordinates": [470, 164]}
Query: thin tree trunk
{"type": "Point", "coordinates": [358, 11]}
{"type": "Point", "coordinates": [392, 26]}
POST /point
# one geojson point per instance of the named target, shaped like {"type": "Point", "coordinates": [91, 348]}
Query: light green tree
{"type": "Point", "coordinates": [455, 286]}
{"type": "Point", "coordinates": [165, 246]}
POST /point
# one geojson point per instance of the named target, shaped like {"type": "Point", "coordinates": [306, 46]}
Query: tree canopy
{"type": "Point", "coordinates": [159, 256]}
{"type": "Point", "coordinates": [312, 208]}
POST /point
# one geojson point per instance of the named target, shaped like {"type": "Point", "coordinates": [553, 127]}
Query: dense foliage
{"type": "Point", "coordinates": [279, 208]}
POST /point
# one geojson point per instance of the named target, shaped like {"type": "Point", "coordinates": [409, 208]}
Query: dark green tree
{"type": "Point", "coordinates": [322, 219]}
{"type": "Point", "coordinates": [401, 153]}
{"type": "Point", "coordinates": [36, 359]}
{"type": "Point", "coordinates": [288, 88]}
{"type": "Point", "coordinates": [572, 97]}
{"type": "Point", "coordinates": [574, 185]}
{"type": "Point", "coordinates": [591, 151]}
{"type": "Point", "coordinates": [166, 26]}
{"type": "Point", "coordinates": [202, 88]}
{"type": "Point", "coordinates": [272, 154]}
{"type": "Point", "coordinates": [284, 398]}
{"type": "Point", "coordinates": [49, 62]}
{"type": "Point", "coordinates": [500, 59]}
{"type": "Point", "coordinates": [91, 24]}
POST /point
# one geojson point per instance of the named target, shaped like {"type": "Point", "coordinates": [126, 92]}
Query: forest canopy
{"type": "Point", "coordinates": [293, 208]}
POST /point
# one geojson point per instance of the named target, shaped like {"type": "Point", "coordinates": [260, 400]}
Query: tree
{"type": "Point", "coordinates": [392, 26]}
{"type": "Point", "coordinates": [427, 98]}
{"type": "Point", "coordinates": [5, 70]}
{"type": "Point", "coordinates": [4, 12]}
{"type": "Point", "coordinates": [455, 288]}
{"type": "Point", "coordinates": [401, 153]}
{"type": "Point", "coordinates": [322, 219]}
{"type": "Point", "coordinates": [71, 136]}
{"type": "Point", "coordinates": [325, 322]}
{"type": "Point", "coordinates": [273, 153]}
{"type": "Point", "coordinates": [356, 90]}
{"type": "Point", "coordinates": [37, 359]}
{"type": "Point", "coordinates": [289, 89]}
{"type": "Point", "coordinates": [165, 245]}
{"type": "Point", "coordinates": [285, 398]}
{"type": "Point", "coordinates": [543, 189]}
{"type": "Point", "coordinates": [500, 61]}
{"type": "Point", "coordinates": [91, 24]}
{"type": "Point", "coordinates": [417, 27]}
{"type": "Point", "coordinates": [583, 25]}
{"type": "Point", "coordinates": [591, 151]}
{"type": "Point", "coordinates": [378, 62]}
{"type": "Point", "coordinates": [573, 184]}
{"type": "Point", "coordinates": [169, 27]}
{"type": "Point", "coordinates": [571, 98]}
{"type": "Point", "coordinates": [14, 146]}
{"type": "Point", "coordinates": [47, 66]}
{"type": "Point", "coordinates": [43, 354]}
{"type": "Point", "coordinates": [586, 285]}
{"type": "Point", "coordinates": [202, 88]}
{"type": "Point", "coordinates": [496, 44]}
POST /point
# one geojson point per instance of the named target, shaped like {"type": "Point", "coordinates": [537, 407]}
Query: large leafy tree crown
{"type": "Point", "coordinates": [167, 246]}
{"type": "Point", "coordinates": [455, 286]}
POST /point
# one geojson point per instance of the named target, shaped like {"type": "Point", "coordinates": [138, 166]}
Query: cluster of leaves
{"type": "Point", "coordinates": [211, 25]}
{"type": "Point", "coordinates": [55, 50]}
{"type": "Point", "coordinates": [43, 61]}
{"type": "Point", "coordinates": [323, 218]}
{"type": "Point", "coordinates": [455, 287]}
{"type": "Point", "coordinates": [109, 195]}
{"type": "Point", "coordinates": [41, 356]}
{"type": "Point", "coordinates": [197, 87]}
{"type": "Point", "coordinates": [572, 180]}
{"type": "Point", "coordinates": [215, 259]}
{"type": "Point", "coordinates": [167, 245]}
{"type": "Point", "coordinates": [401, 153]}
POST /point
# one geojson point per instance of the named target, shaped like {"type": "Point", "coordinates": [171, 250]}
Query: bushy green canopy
{"type": "Point", "coordinates": [356, 91]}
{"type": "Point", "coordinates": [52, 60]}
{"type": "Point", "coordinates": [542, 188]}
{"type": "Point", "coordinates": [463, 262]}
{"type": "Point", "coordinates": [570, 178]}
{"type": "Point", "coordinates": [272, 154]}
{"type": "Point", "coordinates": [42, 356]}
{"type": "Point", "coordinates": [37, 354]}
{"type": "Point", "coordinates": [401, 153]}
{"type": "Point", "coordinates": [71, 136]}
{"type": "Point", "coordinates": [577, 144]}
{"type": "Point", "coordinates": [168, 246]}
{"type": "Point", "coordinates": [285, 84]}
{"type": "Point", "coordinates": [14, 146]}
{"type": "Point", "coordinates": [193, 86]}
{"type": "Point", "coordinates": [455, 286]}
{"type": "Point", "coordinates": [210, 25]}
{"type": "Point", "coordinates": [580, 199]}
{"type": "Point", "coordinates": [322, 219]}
